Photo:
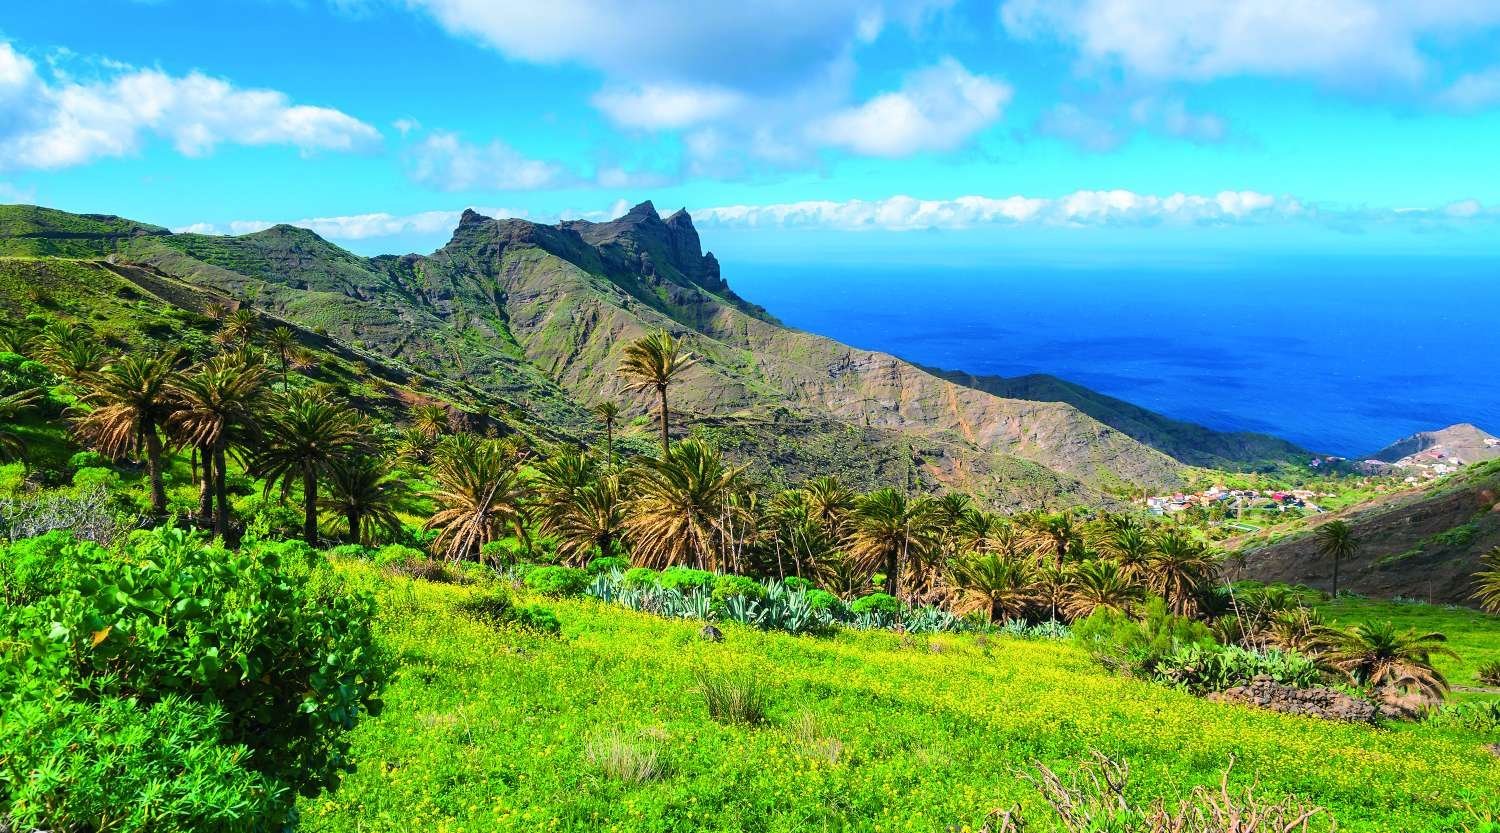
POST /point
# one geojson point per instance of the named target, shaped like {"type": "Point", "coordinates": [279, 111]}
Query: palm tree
{"type": "Point", "coordinates": [953, 513]}
{"type": "Point", "coordinates": [238, 328]}
{"type": "Point", "coordinates": [608, 413]}
{"type": "Point", "coordinates": [73, 359]}
{"type": "Point", "coordinates": [217, 408]}
{"type": "Point", "coordinates": [1054, 533]}
{"type": "Point", "coordinates": [1336, 540]}
{"type": "Point", "coordinates": [306, 434]}
{"type": "Point", "coordinates": [414, 446]}
{"type": "Point", "coordinates": [12, 444]}
{"type": "Point", "coordinates": [830, 503]}
{"type": "Point", "coordinates": [1179, 570]}
{"type": "Point", "coordinates": [891, 531]}
{"type": "Point", "coordinates": [683, 509]}
{"type": "Point", "coordinates": [430, 419]}
{"type": "Point", "coordinates": [364, 495]}
{"type": "Point", "coordinates": [479, 497]}
{"type": "Point", "coordinates": [1486, 581]}
{"type": "Point", "coordinates": [1099, 584]}
{"type": "Point", "coordinates": [282, 341]}
{"type": "Point", "coordinates": [589, 519]}
{"type": "Point", "coordinates": [131, 399]}
{"type": "Point", "coordinates": [653, 362]}
{"type": "Point", "coordinates": [1130, 547]}
{"type": "Point", "coordinates": [1303, 630]}
{"type": "Point", "coordinates": [999, 585]}
{"type": "Point", "coordinates": [1376, 655]}
{"type": "Point", "coordinates": [795, 533]}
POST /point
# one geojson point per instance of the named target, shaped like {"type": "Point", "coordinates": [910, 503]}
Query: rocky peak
{"type": "Point", "coordinates": [471, 217]}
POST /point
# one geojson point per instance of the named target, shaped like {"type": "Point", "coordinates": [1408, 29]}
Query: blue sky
{"type": "Point", "coordinates": [1050, 129]}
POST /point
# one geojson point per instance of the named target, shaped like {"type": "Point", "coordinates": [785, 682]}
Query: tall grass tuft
{"type": "Point", "coordinates": [625, 760]}
{"type": "Point", "coordinates": [733, 700]}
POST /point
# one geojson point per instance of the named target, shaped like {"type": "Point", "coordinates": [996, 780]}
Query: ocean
{"type": "Point", "coordinates": [1342, 356]}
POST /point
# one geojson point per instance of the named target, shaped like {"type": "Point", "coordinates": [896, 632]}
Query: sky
{"type": "Point", "coordinates": [845, 129]}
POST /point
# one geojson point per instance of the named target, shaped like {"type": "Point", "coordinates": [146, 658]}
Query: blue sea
{"type": "Point", "coordinates": [1340, 356]}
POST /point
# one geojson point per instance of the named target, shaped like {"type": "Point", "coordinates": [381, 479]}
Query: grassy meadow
{"type": "Point", "coordinates": [605, 728]}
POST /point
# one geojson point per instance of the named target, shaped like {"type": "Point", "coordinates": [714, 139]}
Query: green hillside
{"type": "Point", "coordinates": [492, 730]}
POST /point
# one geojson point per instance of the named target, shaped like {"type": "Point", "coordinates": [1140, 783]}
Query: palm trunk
{"type": "Point", "coordinates": [205, 484]}
{"type": "Point", "coordinates": [893, 570]}
{"type": "Point", "coordinates": [1335, 576]}
{"type": "Point", "coordinates": [153, 470]}
{"type": "Point", "coordinates": [221, 494]}
{"type": "Point", "coordinates": [351, 517]}
{"type": "Point", "coordinates": [310, 505]}
{"type": "Point", "coordinates": [666, 440]}
{"type": "Point", "coordinates": [609, 442]}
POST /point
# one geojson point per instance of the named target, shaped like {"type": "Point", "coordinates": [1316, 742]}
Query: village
{"type": "Point", "coordinates": [1237, 501]}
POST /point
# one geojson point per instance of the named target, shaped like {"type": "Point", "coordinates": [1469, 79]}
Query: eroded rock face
{"type": "Point", "coordinates": [1325, 703]}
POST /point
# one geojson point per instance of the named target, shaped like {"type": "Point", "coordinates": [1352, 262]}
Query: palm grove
{"type": "Point", "coordinates": [249, 408]}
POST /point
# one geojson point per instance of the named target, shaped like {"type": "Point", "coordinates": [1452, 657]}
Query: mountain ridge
{"type": "Point", "coordinates": [540, 313]}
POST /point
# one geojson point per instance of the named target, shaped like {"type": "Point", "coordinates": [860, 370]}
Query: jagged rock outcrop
{"type": "Point", "coordinates": [1324, 703]}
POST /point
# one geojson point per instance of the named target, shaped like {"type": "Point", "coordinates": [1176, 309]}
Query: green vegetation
{"type": "Point", "coordinates": [584, 638]}
{"type": "Point", "coordinates": [861, 731]}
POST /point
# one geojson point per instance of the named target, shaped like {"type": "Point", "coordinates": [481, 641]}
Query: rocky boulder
{"type": "Point", "coordinates": [1325, 703]}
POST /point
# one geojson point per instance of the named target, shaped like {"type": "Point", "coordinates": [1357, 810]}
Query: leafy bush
{"type": "Point", "coordinates": [638, 577]}
{"type": "Point", "coordinates": [412, 563]}
{"type": "Point", "coordinates": [558, 581]}
{"type": "Point", "coordinates": [608, 563]}
{"type": "Point", "coordinates": [797, 583]}
{"type": "Point", "coordinates": [88, 460]}
{"type": "Point", "coordinates": [96, 477]}
{"type": "Point", "coordinates": [729, 586]}
{"type": "Point", "coordinates": [1479, 717]}
{"type": "Point", "coordinates": [536, 618]}
{"type": "Point", "coordinates": [492, 606]}
{"type": "Point", "coordinates": [503, 551]}
{"type": "Point", "coordinates": [1138, 646]}
{"type": "Point", "coordinates": [732, 699]}
{"type": "Point", "coordinates": [822, 600]}
{"type": "Point", "coordinates": [1201, 669]}
{"type": "Point", "coordinates": [73, 762]}
{"type": "Point", "coordinates": [876, 603]}
{"type": "Point", "coordinates": [270, 654]}
{"type": "Point", "coordinates": [682, 578]}
{"type": "Point", "coordinates": [350, 551]}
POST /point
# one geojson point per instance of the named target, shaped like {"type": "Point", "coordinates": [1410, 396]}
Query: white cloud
{"type": "Point", "coordinates": [1080, 208]}
{"type": "Point", "coordinates": [61, 122]}
{"type": "Point", "coordinates": [1339, 41]}
{"type": "Point", "coordinates": [669, 106]}
{"type": "Point", "coordinates": [767, 45]}
{"type": "Point", "coordinates": [445, 161]}
{"type": "Point", "coordinates": [356, 226]}
{"type": "Point", "coordinates": [1474, 91]}
{"type": "Point", "coordinates": [1105, 125]}
{"type": "Point", "coordinates": [938, 108]}
{"type": "Point", "coordinates": [406, 126]}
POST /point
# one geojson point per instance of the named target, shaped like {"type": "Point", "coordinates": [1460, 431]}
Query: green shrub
{"type": "Point", "coordinates": [875, 603]}
{"type": "Point", "coordinates": [491, 606]}
{"type": "Point", "coordinates": [821, 600]}
{"type": "Point", "coordinates": [95, 758]}
{"type": "Point", "coordinates": [412, 563]}
{"type": "Point", "coordinates": [608, 563]}
{"type": "Point", "coordinates": [639, 577]}
{"type": "Point", "coordinates": [729, 586]}
{"type": "Point", "coordinates": [684, 578]}
{"type": "Point", "coordinates": [1202, 669]}
{"type": "Point", "coordinates": [732, 699]}
{"type": "Point", "coordinates": [536, 618]}
{"type": "Point", "coordinates": [797, 583]}
{"type": "Point", "coordinates": [558, 581]}
{"type": "Point", "coordinates": [267, 648]}
{"type": "Point", "coordinates": [504, 551]}
{"type": "Point", "coordinates": [1138, 646]}
{"type": "Point", "coordinates": [88, 460]}
{"type": "Point", "coordinates": [96, 477]}
{"type": "Point", "coordinates": [350, 551]}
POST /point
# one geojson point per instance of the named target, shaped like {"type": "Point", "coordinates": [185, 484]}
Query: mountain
{"type": "Point", "coordinates": [1425, 543]}
{"type": "Point", "coordinates": [1185, 442]}
{"type": "Point", "coordinates": [1457, 444]}
{"type": "Point", "coordinates": [529, 320]}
